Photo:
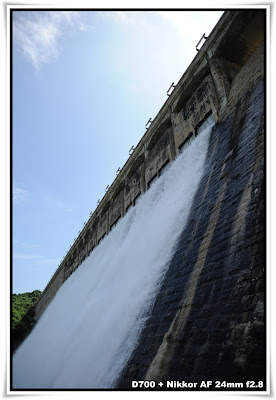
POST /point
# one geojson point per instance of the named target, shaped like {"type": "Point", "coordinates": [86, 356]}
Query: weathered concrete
{"type": "Point", "coordinates": [208, 319]}
{"type": "Point", "coordinates": [207, 322]}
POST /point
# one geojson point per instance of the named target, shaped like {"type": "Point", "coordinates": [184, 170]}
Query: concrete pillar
{"type": "Point", "coordinates": [107, 222]}
{"type": "Point", "coordinates": [86, 249]}
{"type": "Point", "coordinates": [63, 274]}
{"type": "Point", "coordinates": [123, 203]}
{"type": "Point", "coordinates": [97, 234]}
{"type": "Point", "coordinates": [214, 110]}
{"type": "Point", "coordinates": [79, 252]}
{"type": "Point", "coordinates": [172, 145]}
{"type": "Point", "coordinates": [220, 80]}
{"type": "Point", "coordinates": [143, 178]}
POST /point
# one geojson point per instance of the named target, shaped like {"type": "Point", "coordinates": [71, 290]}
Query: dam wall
{"type": "Point", "coordinates": [211, 301]}
{"type": "Point", "coordinates": [208, 320]}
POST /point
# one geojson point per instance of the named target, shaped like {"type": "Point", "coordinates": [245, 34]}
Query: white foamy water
{"type": "Point", "coordinates": [87, 333]}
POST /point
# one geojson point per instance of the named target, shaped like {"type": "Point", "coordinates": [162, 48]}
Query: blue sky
{"type": "Point", "coordinates": [84, 86]}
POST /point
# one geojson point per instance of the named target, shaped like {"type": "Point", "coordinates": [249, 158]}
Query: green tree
{"type": "Point", "coordinates": [23, 313]}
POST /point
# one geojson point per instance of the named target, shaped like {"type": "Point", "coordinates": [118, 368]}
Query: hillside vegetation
{"type": "Point", "coordinates": [22, 316]}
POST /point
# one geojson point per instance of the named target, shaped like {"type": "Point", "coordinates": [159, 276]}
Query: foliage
{"type": "Point", "coordinates": [23, 315]}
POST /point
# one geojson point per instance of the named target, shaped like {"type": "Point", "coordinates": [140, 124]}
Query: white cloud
{"type": "Point", "coordinates": [49, 261]}
{"type": "Point", "coordinates": [38, 33]}
{"type": "Point", "coordinates": [29, 246]}
{"type": "Point", "coordinates": [158, 47]}
{"type": "Point", "coordinates": [184, 22]}
{"type": "Point", "coordinates": [25, 245]}
{"type": "Point", "coordinates": [55, 202]}
{"type": "Point", "coordinates": [20, 194]}
{"type": "Point", "coordinates": [188, 23]}
{"type": "Point", "coordinates": [36, 259]}
{"type": "Point", "coordinates": [150, 55]}
{"type": "Point", "coordinates": [21, 256]}
{"type": "Point", "coordinates": [143, 23]}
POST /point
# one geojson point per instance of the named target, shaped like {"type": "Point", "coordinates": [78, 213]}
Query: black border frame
{"type": "Point", "coordinates": [228, 390]}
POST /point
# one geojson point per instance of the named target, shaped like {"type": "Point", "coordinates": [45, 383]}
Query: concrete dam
{"type": "Point", "coordinates": [166, 281]}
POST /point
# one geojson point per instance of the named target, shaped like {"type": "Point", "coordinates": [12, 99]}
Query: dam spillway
{"type": "Point", "coordinates": [99, 311]}
{"type": "Point", "coordinates": [203, 311]}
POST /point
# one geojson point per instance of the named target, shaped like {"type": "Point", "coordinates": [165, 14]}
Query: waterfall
{"type": "Point", "coordinates": [88, 332]}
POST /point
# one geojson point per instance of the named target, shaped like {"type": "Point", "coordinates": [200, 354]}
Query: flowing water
{"type": "Point", "coordinates": [86, 335]}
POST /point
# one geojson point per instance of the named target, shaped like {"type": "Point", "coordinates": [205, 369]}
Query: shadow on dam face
{"type": "Point", "coordinates": [207, 322]}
